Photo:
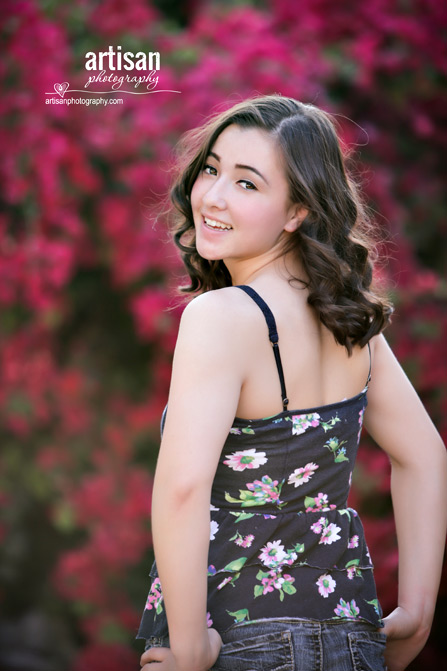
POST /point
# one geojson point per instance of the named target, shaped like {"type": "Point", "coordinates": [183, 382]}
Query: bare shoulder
{"type": "Point", "coordinates": [212, 323]}
{"type": "Point", "coordinates": [228, 299]}
{"type": "Point", "coordinates": [219, 310]}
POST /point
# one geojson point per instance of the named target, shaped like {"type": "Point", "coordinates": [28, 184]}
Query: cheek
{"type": "Point", "coordinates": [196, 193]}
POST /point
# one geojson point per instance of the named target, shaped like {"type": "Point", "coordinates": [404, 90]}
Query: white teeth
{"type": "Point", "coordinates": [216, 224]}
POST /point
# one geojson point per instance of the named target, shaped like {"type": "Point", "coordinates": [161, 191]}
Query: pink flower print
{"type": "Point", "coordinates": [360, 423]}
{"type": "Point", "coordinates": [351, 571]}
{"type": "Point", "coordinates": [317, 527]}
{"type": "Point", "coordinates": [267, 585]}
{"type": "Point", "coordinates": [244, 542]}
{"type": "Point", "coordinates": [302, 475]}
{"type": "Point", "coordinates": [322, 503]}
{"type": "Point", "coordinates": [214, 528]}
{"type": "Point", "coordinates": [278, 582]}
{"type": "Point", "coordinates": [319, 502]}
{"type": "Point", "coordinates": [258, 493]}
{"type": "Point", "coordinates": [353, 542]}
{"type": "Point", "coordinates": [347, 609]}
{"type": "Point", "coordinates": [239, 461]}
{"type": "Point", "coordinates": [326, 585]}
{"type": "Point", "coordinates": [281, 582]}
{"type": "Point", "coordinates": [272, 554]}
{"type": "Point", "coordinates": [224, 582]}
{"type": "Point", "coordinates": [209, 622]}
{"type": "Point", "coordinates": [330, 534]}
{"type": "Point", "coordinates": [155, 597]}
{"type": "Point", "coordinates": [300, 423]}
{"type": "Point", "coordinates": [272, 580]}
{"type": "Point", "coordinates": [265, 490]}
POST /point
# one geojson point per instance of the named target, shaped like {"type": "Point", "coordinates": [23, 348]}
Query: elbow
{"type": "Point", "coordinates": [432, 454]}
{"type": "Point", "coordinates": [178, 493]}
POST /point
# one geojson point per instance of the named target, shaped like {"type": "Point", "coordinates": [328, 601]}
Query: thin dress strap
{"type": "Point", "coordinates": [273, 336]}
{"type": "Point", "coordinates": [369, 372]}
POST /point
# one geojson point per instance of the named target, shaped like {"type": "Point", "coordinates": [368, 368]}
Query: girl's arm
{"type": "Point", "coordinates": [205, 386]}
{"type": "Point", "coordinates": [398, 422]}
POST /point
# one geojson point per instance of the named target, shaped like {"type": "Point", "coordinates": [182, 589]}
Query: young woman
{"type": "Point", "coordinates": [279, 362]}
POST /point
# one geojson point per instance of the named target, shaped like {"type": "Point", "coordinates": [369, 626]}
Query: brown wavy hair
{"type": "Point", "coordinates": [334, 241]}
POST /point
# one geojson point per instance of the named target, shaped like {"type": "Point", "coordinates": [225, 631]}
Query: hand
{"type": "Point", "coordinates": [405, 638]}
{"type": "Point", "coordinates": [162, 659]}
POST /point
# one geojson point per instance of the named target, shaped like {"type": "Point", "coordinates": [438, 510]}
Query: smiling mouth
{"type": "Point", "coordinates": [216, 225]}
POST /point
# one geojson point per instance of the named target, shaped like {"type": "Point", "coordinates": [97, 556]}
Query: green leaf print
{"type": "Point", "coordinates": [335, 446]}
{"type": "Point", "coordinates": [327, 426]}
{"type": "Point", "coordinates": [261, 574]}
{"type": "Point", "coordinates": [241, 516]}
{"type": "Point", "coordinates": [309, 502]}
{"type": "Point", "coordinates": [288, 588]}
{"type": "Point", "coordinates": [235, 565]}
{"type": "Point", "coordinates": [344, 511]}
{"type": "Point", "coordinates": [258, 590]}
{"type": "Point", "coordinates": [375, 604]}
{"type": "Point", "coordinates": [259, 493]}
{"type": "Point", "coordinates": [247, 499]}
{"type": "Point", "coordinates": [240, 615]}
{"type": "Point", "coordinates": [353, 562]}
{"type": "Point", "coordinates": [248, 430]}
{"type": "Point", "coordinates": [299, 548]}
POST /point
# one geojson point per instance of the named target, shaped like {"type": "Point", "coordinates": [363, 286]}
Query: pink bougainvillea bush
{"type": "Point", "coordinates": [87, 274]}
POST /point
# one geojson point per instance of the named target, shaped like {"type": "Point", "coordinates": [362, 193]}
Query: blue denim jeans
{"type": "Point", "coordinates": [292, 644]}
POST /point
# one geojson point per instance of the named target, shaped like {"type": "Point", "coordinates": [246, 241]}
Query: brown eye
{"type": "Point", "coordinates": [250, 186]}
{"type": "Point", "coordinates": [207, 167]}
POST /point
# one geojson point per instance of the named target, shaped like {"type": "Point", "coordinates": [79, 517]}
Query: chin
{"type": "Point", "coordinates": [207, 255]}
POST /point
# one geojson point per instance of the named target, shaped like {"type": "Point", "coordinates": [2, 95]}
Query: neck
{"type": "Point", "coordinates": [283, 267]}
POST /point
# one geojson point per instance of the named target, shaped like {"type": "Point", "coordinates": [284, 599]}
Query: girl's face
{"type": "Point", "coordinates": [240, 200]}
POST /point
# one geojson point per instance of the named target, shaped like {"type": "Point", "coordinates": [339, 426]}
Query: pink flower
{"type": "Point", "coordinates": [353, 542]}
{"type": "Point", "coordinates": [239, 461]}
{"type": "Point", "coordinates": [300, 423]}
{"type": "Point", "coordinates": [209, 622]}
{"type": "Point", "coordinates": [330, 534]}
{"type": "Point", "coordinates": [326, 585]}
{"type": "Point", "coordinates": [245, 542]}
{"type": "Point", "coordinates": [267, 584]}
{"type": "Point", "coordinates": [272, 554]}
{"type": "Point", "coordinates": [155, 596]}
{"type": "Point", "coordinates": [302, 475]}
{"type": "Point", "coordinates": [224, 582]}
{"type": "Point", "coordinates": [347, 609]}
{"type": "Point", "coordinates": [317, 527]}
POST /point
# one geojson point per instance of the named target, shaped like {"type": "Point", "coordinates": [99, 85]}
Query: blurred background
{"type": "Point", "coordinates": [87, 277]}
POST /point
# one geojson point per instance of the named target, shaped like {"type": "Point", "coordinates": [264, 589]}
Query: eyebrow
{"type": "Point", "coordinates": [240, 165]}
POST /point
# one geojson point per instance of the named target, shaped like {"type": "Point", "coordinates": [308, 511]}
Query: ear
{"type": "Point", "coordinates": [295, 217]}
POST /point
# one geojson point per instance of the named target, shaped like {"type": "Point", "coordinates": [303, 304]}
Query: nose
{"type": "Point", "coordinates": [215, 196]}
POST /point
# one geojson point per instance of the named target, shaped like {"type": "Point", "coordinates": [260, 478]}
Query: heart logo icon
{"type": "Point", "coordinates": [61, 88]}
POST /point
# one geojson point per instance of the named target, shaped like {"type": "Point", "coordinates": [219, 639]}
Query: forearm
{"type": "Point", "coordinates": [181, 532]}
{"type": "Point", "coordinates": [419, 493]}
